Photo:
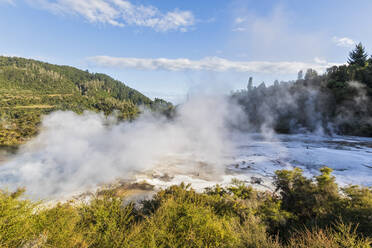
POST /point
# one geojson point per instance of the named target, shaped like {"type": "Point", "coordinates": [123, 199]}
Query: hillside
{"type": "Point", "coordinates": [337, 102]}
{"type": "Point", "coordinates": [30, 88]}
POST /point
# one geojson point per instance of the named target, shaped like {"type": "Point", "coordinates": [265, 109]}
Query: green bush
{"type": "Point", "coordinates": [303, 212]}
{"type": "Point", "coordinates": [106, 222]}
{"type": "Point", "coordinates": [17, 220]}
{"type": "Point", "coordinates": [177, 224]}
{"type": "Point", "coordinates": [341, 236]}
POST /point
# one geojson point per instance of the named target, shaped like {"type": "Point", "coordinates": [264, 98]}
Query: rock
{"type": "Point", "coordinates": [256, 180]}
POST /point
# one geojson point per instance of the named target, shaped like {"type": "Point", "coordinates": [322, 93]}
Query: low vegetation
{"type": "Point", "coordinates": [301, 212]}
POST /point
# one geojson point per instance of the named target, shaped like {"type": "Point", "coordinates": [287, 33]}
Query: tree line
{"type": "Point", "coordinates": [338, 101]}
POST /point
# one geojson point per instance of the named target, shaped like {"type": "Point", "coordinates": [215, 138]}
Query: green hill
{"type": "Point", "coordinates": [30, 88]}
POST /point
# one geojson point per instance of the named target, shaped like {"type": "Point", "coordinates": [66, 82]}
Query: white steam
{"type": "Point", "coordinates": [74, 152]}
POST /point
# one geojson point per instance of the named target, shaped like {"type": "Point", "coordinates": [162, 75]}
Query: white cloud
{"type": "Point", "coordinates": [320, 60]}
{"type": "Point", "coordinates": [239, 20]}
{"type": "Point", "coordinates": [343, 42]}
{"type": "Point", "coordinates": [120, 13]}
{"type": "Point", "coordinates": [207, 64]}
{"type": "Point", "coordinates": [239, 29]}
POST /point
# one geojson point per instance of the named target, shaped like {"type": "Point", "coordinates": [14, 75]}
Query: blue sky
{"type": "Point", "coordinates": [168, 48]}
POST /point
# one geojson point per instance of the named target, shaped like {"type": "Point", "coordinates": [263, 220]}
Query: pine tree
{"type": "Point", "coordinates": [250, 84]}
{"type": "Point", "coordinates": [358, 56]}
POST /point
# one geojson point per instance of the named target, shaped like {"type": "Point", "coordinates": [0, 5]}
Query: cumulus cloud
{"type": "Point", "coordinates": [121, 13]}
{"type": "Point", "coordinates": [343, 42]}
{"type": "Point", "coordinates": [207, 64]}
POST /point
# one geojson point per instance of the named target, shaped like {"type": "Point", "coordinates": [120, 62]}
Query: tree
{"type": "Point", "coordinates": [262, 86]}
{"type": "Point", "coordinates": [300, 75]}
{"type": "Point", "coordinates": [358, 56]}
{"type": "Point", "coordinates": [310, 74]}
{"type": "Point", "coordinates": [250, 84]}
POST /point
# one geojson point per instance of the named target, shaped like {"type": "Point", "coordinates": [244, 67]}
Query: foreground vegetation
{"type": "Point", "coordinates": [30, 89]}
{"type": "Point", "coordinates": [300, 213]}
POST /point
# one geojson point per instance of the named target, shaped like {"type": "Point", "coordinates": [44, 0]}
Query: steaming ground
{"type": "Point", "coordinates": [74, 153]}
{"type": "Point", "coordinates": [78, 153]}
{"type": "Point", "coordinates": [256, 158]}
{"type": "Point", "coordinates": [349, 157]}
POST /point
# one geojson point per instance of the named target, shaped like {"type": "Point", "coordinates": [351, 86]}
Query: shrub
{"type": "Point", "coordinates": [300, 214]}
{"type": "Point", "coordinates": [177, 224]}
{"type": "Point", "coordinates": [341, 236]}
{"type": "Point", "coordinates": [17, 219]}
{"type": "Point", "coordinates": [106, 222]}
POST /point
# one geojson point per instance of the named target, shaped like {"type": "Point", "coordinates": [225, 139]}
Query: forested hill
{"type": "Point", "coordinates": [30, 88]}
{"type": "Point", "coordinates": [338, 101]}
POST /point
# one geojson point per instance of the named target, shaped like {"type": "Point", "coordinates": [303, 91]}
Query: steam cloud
{"type": "Point", "coordinates": [77, 152]}
{"type": "Point", "coordinates": [303, 107]}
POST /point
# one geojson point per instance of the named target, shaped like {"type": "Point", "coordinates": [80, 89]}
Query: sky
{"type": "Point", "coordinates": [172, 48]}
